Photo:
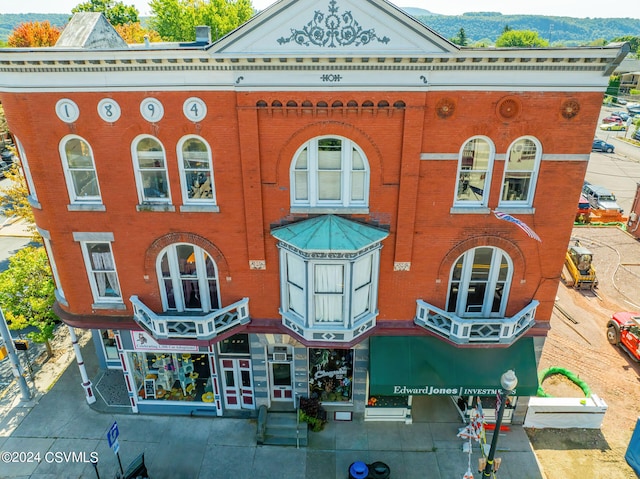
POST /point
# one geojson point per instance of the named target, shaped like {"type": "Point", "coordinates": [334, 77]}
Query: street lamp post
{"type": "Point", "coordinates": [509, 381]}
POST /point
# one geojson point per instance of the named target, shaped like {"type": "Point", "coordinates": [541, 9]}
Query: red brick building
{"type": "Point", "coordinates": [306, 206]}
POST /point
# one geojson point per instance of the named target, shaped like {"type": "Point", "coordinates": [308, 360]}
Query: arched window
{"type": "Point", "coordinates": [521, 172]}
{"type": "Point", "coordinates": [330, 172]}
{"type": "Point", "coordinates": [474, 172]}
{"type": "Point", "coordinates": [479, 283]}
{"type": "Point", "coordinates": [188, 278]}
{"type": "Point", "coordinates": [80, 170]}
{"type": "Point", "coordinates": [196, 170]}
{"type": "Point", "coordinates": [150, 164]}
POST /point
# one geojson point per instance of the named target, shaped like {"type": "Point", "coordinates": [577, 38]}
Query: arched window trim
{"type": "Point", "coordinates": [492, 279]}
{"type": "Point", "coordinates": [183, 175]}
{"type": "Point", "coordinates": [534, 175]}
{"type": "Point", "coordinates": [138, 173]}
{"type": "Point", "coordinates": [200, 256]}
{"type": "Point", "coordinates": [347, 175]}
{"type": "Point", "coordinates": [74, 198]}
{"type": "Point", "coordinates": [487, 179]}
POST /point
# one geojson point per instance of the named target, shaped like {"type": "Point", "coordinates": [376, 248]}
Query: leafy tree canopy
{"type": "Point", "coordinates": [135, 33]}
{"type": "Point", "coordinates": [461, 38]}
{"type": "Point", "coordinates": [116, 12]}
{"type": "Point", "coordinates": [175, 20]}
{"type": "Point", "coordinates": [521, 38]}
{"type": "Point", "coordinates": [27, 294]}
{"type": "Point", "coordinates": [13, 198]}
{"type": "Point", "coordinates": [34, 34]}
{"type": "Point", "coordinates": [634, 42]}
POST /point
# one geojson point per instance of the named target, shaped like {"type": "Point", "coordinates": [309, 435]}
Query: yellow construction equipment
{"type": "Point", "coordinates": [579, 271]}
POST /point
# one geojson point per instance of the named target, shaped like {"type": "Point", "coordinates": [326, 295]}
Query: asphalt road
{"type": "Point", "coordinates": [618, 171]}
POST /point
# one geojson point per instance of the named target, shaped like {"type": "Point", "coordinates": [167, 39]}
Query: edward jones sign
{"type": "Point", "coordinates": [443, 391]}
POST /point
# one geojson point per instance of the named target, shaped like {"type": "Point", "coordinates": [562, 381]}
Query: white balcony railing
{"type": "Point", "coordinates": [190, 326]}
{"type": "Point", "coordinates": [475, 330]}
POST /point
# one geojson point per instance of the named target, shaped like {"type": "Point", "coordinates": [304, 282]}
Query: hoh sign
{"type": "Point", "coordinates": [112, 437]}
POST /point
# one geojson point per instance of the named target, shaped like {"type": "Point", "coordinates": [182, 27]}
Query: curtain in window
{"type": "Point", "coordinates": [104, 273]}
{"type": "Point", "coordinates": [329, 285]}
{"type": "Point", "coordinates": [362, 285]}
{"type": "Point", "coordinates": [296, 283]}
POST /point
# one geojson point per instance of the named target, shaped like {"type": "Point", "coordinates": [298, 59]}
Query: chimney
{"type": "Point", "coordinates": [203, 34]}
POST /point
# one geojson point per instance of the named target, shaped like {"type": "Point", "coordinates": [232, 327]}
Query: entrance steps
{"type": "Point", "coordinates": [280, 429]}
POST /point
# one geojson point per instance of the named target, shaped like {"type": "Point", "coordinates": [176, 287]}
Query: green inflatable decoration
{"type": "Point", "coordinates": [557, 370]}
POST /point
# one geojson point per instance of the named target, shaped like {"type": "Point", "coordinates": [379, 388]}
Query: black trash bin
{"type": "Point", "coordinates": [358, 470]}
{"type": "Point", "coordinates": [379, 470]}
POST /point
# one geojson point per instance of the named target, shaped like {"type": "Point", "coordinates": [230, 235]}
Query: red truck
{"type": "Point", "coordinates": [623, 329]}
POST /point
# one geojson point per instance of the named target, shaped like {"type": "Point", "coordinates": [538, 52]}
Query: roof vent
{"type": "Point", "coordinates": [203, 34]}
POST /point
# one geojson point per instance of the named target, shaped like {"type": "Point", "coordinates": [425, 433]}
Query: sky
{"type": "Point", "coordinates": [565, 8]}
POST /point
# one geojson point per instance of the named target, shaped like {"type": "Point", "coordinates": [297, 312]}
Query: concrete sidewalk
{"type": "Point", "coordinates": [60, 421]}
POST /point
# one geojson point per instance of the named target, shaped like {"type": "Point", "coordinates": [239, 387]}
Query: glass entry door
{"type": "Point", "coordinates": [281, 381]}
{"type": "Point", "coordinates": [237, 383]}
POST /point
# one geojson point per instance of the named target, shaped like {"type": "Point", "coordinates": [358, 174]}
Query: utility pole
{"type": "Point", "coordinates": [16, 367]}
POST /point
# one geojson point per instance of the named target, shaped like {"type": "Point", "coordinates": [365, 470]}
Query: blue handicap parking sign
{"type": "Point", "coordinates": [112, 434]}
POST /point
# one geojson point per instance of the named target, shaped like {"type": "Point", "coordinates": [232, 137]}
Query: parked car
{"type": "Point", "coordinates": [600, 198]}
{"type": "Point", "coordinates": [612, 119]}
{"type": "Point", "coordinates": [633, 108]}
{"type": "Point", "coordinates": [7, 155]}
{"type": "Point", "coordinates": [636, 135]}
{"type": "Point", "coordinates": [601, 145]}
{"type": "Point", "coordinates": [623, 329]}
{"type": "Point", "coordinates": [622, 114]}
{"type": "Point", "coordinates": [613, 126]}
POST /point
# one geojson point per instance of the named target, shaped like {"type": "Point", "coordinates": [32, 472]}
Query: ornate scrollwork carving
{"type": "Point", "coordinates": [332, 30]}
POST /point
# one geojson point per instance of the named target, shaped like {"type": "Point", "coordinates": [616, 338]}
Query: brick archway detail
{"type": "Point", "coordinates": [161, 243]}
{"type": "Point", "coordinates": [515, 253]}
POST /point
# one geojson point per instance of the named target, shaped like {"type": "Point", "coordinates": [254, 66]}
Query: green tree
{"type": "Point", "coordinates": [461, 38]}
{"type": "Point", "coordinates": [521, 38]}
{"type": "Point", "coordinates": [116, 12]}
{"type": "Point", "coordinates": [634, 42]}
{"type": "Point", "coordinates": [175, 20]}
{"type": "Point", "coordinates": [27, 294]}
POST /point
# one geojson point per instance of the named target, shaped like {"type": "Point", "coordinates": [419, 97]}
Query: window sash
{"type": "Point", "coordinates": [102, 271]}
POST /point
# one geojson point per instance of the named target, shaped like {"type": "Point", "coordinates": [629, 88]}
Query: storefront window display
{"type": "Point", "coordinates": [331, 374]}
{"type": "Point", "coordinates": [109, 343]}
{"type": "Point", "coordinates": [172, 376]}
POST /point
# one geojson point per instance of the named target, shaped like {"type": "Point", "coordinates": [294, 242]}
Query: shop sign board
{"type": "Point", "coordinates": [143, 342]}
{"type": "Point", "coordinates": [402, 390]}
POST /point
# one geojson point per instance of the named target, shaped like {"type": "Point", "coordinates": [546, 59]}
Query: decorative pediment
{"type": "Point", "coordinates": [333, 27]}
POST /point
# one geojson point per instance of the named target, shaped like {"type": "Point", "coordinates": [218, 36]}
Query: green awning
{"type": "Point", "coordinates": [421, 365]}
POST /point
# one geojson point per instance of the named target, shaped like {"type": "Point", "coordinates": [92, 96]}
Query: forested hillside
{"type": "Point", "coordinates": [478, 26]}
{"type": "Point", "coordinates": [566, 31]}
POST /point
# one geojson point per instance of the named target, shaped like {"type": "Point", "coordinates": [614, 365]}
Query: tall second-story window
{"type": "Point", "coordinates": [196, 170]}
{"type": "Point", "coordinates": [521, 172]}
{"type": "Point", "coordinates": [329, 173]}
{"type": "Point", "coordinates": [151, 170]}
{"type": "Point", "coordinates": [479, 283]}
{"type": "Point", "coordinates": [474, 173]}
{"type": "Point", "coordinates": [80, 170]}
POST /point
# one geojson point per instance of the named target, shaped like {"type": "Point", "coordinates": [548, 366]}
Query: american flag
{"type": "Point", "coordinates": [523, 226]}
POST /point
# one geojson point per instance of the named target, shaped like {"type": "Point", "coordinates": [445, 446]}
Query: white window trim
{"type": "Point", "coordinates": [349, 321]}
{"type": "Point", "coordinates": [183, 177]}
{"type": "Point", "coordinates": [71, 189]}
{"type": "Point", "coordinates": [174, 271]}
{"type": "Point", "coordinates": [465, 278]}
{"type": "Point", "coordinates": [485, 197]}
{"type": "Point", "coordinates": [534, 176]}
{"type": "Point", "coordinates": [140, 184]}
{"type": "Point", "coordinates": [312, 200]}
{"type": "Point", "coordinates": [33, 196]}
{"type": "Point", "coordinates": [46, 240]}
{"type": "Point", "coordinates": [100, 302]}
